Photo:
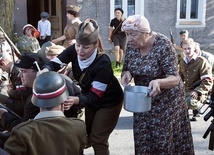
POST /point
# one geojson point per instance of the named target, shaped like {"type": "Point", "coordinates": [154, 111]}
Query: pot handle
{"type": "Point", "coordinates": [148, 92]}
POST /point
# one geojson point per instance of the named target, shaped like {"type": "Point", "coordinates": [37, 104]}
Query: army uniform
{"type": "Point", "coordinates": [70, 31]}
{"type": "Point", "coordinates": [52, 135]}
{"type": "Point", "coordinates": [197, 76]}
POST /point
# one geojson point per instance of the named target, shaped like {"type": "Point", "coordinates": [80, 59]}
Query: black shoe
{"type": "Point", "coordinates": [117, 64]}
{"type": "Point", "coordinates": [195, 113]}
{"type": "Point", "coordinates": [193, 119]}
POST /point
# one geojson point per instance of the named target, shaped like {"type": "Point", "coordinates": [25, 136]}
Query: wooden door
{"type": "Point", "coordinates": [54, 7]}
{"type": "Point", "coordinates": [55, 10]}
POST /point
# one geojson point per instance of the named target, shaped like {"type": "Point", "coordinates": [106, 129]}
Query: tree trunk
{"type": "Point", "coordinates": [6, 17]}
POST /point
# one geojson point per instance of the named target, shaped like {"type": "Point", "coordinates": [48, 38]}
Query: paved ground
{"type": "Point", "coordinates": [121, 140]}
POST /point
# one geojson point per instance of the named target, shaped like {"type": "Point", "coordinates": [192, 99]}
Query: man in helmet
{"type": "Point", "coordinates": [50, 127]}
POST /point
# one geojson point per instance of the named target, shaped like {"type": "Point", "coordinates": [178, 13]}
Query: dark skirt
{"type": "Point", "coordinates": [119, 39]}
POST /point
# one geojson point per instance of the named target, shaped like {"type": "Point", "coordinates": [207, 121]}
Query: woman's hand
{"type": "Point", "coordinates": [154, 85]}
{"type": "Point", "coordinates": [71, 100]}
{"type": "Point", "coordinates": [54, 41]}
{"type": "Point", "coordinates": [126, 78]}
{"type": "Point", "coordinates": [109, 39]}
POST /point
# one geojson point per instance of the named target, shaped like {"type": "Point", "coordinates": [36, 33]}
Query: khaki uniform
{"type": "Point", "coordinates": [196, 76]}
{"type": "Point", "coordinates": [70, 32]}
{"type": "Point", "coordinates": [50, 135]}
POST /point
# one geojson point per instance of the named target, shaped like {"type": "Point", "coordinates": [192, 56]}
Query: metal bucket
{"type": "Point", "coordinates": [137, 99]}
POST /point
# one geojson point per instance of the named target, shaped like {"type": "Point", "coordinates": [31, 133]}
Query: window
{"type": "Point", "coordinates": [130, 7]}
{"type": "Point", "coordinates": [191, 13]}
{"type": "Point", "coordinates": [118, 4]}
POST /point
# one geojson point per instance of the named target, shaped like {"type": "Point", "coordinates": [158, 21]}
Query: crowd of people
{"type": "Point", "coordinates": [69, 89]}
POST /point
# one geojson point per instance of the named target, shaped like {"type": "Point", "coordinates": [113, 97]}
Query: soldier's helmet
{"type": "Point", "coordinates": [49, 90]}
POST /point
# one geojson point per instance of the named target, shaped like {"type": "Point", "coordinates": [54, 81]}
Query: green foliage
{"type": "Point", "coordinates": [117, 71]}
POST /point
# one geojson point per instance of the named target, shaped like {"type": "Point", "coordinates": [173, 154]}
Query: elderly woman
{"type": "Point", "coordinates": [151, 60]}
{"type": "Point", "coordinates": [71, 28]}
{"type": "Point", "coordinates": [28, 42]}
{"type": "Point", "coordinates": [102, 94]}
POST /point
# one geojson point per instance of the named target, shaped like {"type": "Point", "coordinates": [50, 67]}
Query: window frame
{"type": "Point", "coordinates": [139, 7]}
{"type": "Point", "coordinates": [187, 22]}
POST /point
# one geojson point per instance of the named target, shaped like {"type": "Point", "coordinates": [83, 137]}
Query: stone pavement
{"type": "Point", "coordinates": [122, 143]}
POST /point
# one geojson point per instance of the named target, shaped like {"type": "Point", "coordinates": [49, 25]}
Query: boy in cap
{"type": "Point", "coordinates": [44, 27]}
{"type": "Point", "coordinates": [71, 28]}
{"type": "Point", "coordinates": [50, 127]}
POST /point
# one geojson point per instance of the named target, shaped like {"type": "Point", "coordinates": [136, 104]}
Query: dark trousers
{"type": "Point", "coordinates": [42, 41]}
{"type": "Point", "coordinates": [17, 106]}
{"type": "Point", "coordinates": [99, 125]}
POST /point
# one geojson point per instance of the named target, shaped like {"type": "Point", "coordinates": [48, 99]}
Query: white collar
{"type": "Point", "coordinates": [75, 20]}
{"type": "Point", "coordinates": [85, 63]}
{"type": "Point", "coordinates": [194, 58]}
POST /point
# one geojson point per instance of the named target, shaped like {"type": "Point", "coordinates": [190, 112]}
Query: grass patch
{"type": "Point", "coordinates": [117, 71]}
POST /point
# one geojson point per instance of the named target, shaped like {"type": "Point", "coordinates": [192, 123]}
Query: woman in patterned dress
{"type": "Point", "coordinates": [152, 61]}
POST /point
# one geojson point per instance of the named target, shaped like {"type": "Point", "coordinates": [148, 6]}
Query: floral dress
{"type": "Point", "coordinates": [165, 129]}
{"type": "Point", "coordinates": [26, 44]}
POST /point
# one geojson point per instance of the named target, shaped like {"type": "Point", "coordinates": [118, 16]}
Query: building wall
{"type": "Point", "coordinates": [98, 10]}
{"type": "Point", "coordinates": [161, 15]}
{"type": "Point", "coordinates": [20, 16]}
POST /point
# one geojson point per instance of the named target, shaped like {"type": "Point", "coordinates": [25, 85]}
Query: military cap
{"type": "Point", "coordinates": [73, 8]}
{"type": "Point", "coordinates": [88, 32]}
{"type": "Point", "coordinates": [27, 61]}
{"type": "Point", "coordinates": [54, 50]}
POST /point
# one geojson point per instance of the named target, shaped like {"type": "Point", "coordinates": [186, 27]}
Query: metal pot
{"type": "Point", "coordinates": [137, 99]}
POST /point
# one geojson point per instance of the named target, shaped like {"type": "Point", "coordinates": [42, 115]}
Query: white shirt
{"type": "Point", "coordinates": [44, 28]}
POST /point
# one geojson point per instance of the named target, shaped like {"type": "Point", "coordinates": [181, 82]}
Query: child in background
{"type": "Point", "coordinates": [44, 27]}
